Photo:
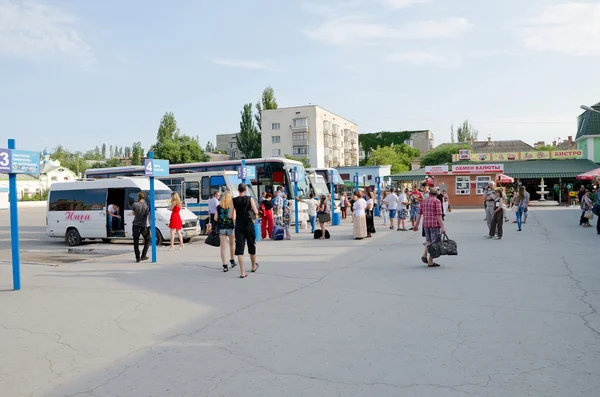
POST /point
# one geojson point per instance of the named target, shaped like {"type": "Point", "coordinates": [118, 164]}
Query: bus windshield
{"type": "Point", "coordinates": [234, 181]}
{"type": "Point", "coordinates": [318, 185]}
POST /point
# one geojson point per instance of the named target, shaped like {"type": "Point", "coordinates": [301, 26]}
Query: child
{"type": "Point", "coordinates": [287, 220]}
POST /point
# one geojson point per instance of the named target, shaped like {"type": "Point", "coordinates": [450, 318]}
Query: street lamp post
{"type": "Point", "coordinates": [589, 108]}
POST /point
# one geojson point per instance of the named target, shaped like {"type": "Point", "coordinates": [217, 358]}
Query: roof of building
{"type": "Point", "coordinates": [490, 146]}
{"type": "Point", "coordinates": [588, 123]}
{"type": "Point", "coordinates": [533, 169]}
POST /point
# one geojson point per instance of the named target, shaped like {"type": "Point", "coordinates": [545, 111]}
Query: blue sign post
{"type": "Point", "coordinates": [243, 172]}
{"type": "Point", "coordinates": [295, 179]}
{"type": "Point", "coordinates": [13, 162]}
{"type": "Point", "coordinates": [335, 217]}
{"type": "Point", "coordinates": [356, 182]}
{"type": "Point", "coordinates": [378, 183]}
{"type": "Point", "coordinates": [154, 168]}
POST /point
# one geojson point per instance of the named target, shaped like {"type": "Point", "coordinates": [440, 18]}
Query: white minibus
{"type": "Point", "coordinates": [77, 210]}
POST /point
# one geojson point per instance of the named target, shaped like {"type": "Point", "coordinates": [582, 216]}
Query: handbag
{"type": "Point", "coordinates": [443, 247]}
{"type": "Point", "coordinates": [213, 239]}
{"type": "Point", "coordinates": [514, 209]}
{"type": "Point", "coordinates": [588, 214]}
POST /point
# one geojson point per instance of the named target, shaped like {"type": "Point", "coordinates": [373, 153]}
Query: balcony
{"type": "Point", "coordinates": [300, 138]}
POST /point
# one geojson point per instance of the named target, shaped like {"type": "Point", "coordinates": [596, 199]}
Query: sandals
{"type": "Point", "coordinates": [225, 268]}
{"type": "Point", "coordinates": [255, 269]}
{"type": "Point", "coordinates": [233, 264]}
{"type": "Point", "coordinates": [244, 276]}
{"type": "Point", "coordinates": [434, 265]}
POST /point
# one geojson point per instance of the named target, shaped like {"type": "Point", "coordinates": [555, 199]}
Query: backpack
{"type": "Point", "coordinates": [278, 233]}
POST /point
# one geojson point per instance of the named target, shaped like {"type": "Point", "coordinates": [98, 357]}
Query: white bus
{"type": "Point", "coordinates": [78, 210]}
{"type": "Point", "coordinates": [325, 172]}
{"type": "Point", "coordinates": [196, 188]}
{"type": "Point", "coordinates": [271, 173]}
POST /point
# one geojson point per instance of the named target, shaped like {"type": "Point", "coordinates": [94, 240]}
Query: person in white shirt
{"type": "Point", "coordinates": [392, 204]}
{"type": "Point", "coordinates": [402, 210]}
{"type": "Point", "coordinates": [113, 213]}
{"type": "Point", "coordinates": [360, 221]}
{"type": "Point", "coordinates": [312, 211]}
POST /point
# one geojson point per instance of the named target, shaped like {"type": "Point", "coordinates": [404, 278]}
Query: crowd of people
{"type": "Point", "coordinates": [589, 202]}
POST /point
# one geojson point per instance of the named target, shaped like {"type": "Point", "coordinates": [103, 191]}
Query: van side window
{"type": "Point", "coordinates": [217, 183]}
{"type": "Point", "coordinates": [77, 200]}
{"type": "Point", "coordinates": [192, 192]}
{"type": "Point", "coordinates": [205, 188]}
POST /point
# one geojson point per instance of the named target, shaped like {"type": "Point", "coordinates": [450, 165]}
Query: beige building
{"type": "Point", "coordinates": [227, 143]}
{"type": "Point", "coordinates": [324, 138]}
{"type": "Point", "coordinates": [422, 140]}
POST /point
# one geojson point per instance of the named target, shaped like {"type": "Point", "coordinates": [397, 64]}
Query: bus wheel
{"type": "Point", "coordinates": [73, 238]}
{"type": "Point", "coordinates": [106, 240]}
{"type": "Point", "coordinates": [159, 238]}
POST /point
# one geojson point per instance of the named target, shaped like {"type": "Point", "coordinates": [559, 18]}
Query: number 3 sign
{"type": "Point", "coordinates": [5, 157]}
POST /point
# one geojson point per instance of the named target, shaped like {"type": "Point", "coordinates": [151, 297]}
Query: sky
{"type": "Point", "coordinates": [83, 73]}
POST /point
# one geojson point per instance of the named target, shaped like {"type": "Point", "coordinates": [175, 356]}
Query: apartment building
{"type": "Point", "coordinates": [227, 143]}
{"type": "Point", "coordinates": [324, 138]}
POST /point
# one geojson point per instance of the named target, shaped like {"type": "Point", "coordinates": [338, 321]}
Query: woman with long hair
{"type": "Point", "coordinates": [225, 220]}
{"type": "Point", "coordinates": [359, 226]}
{"type": "Point", "coordinates": [586, 205]}
{"type": "Point", "coordinates": [175, 222]}
{"type": "Point", "coordinates": [369, 213]}
{"type": "Point", "coordinates": [324, 214]}
{"type": "Point", "coordinates": [520, 203]}
{"type": "Point", "coordinates": [383, 208]}
{"type": "Point", "coordinates": [343, 202]}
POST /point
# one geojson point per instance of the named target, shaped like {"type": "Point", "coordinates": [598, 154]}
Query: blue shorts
{"type": "Point", "coordinates": [414, 213]}
{"type": "Point", "coordinates": [226, 232]}
{"type": "Point", "coordinates": [392, 214]}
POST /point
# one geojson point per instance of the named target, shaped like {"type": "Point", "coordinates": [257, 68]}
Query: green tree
{"type": "Point", "coordinates": [466, 133]}
{"type": "Point", "coordinates": [398, 156]}
{"type": "Point", "coordinates": [127, 152]}
{"type": "Point", "coordinates": [110, 152]}
{"type": "Point", "coordinates": [547, 148]}
{"type": "Point", "coordinates": [248, 139]}
{"type": "Point", "coordinates": [305, 161]}
{"type": "Point", "coordinates": [267, 102]}
{"type": "Point", "coordinates": [137, 153]}
{"type": "Point", "coordinates": [442, 154]}
{"type": "Point", "coordinates": [75, 161]}
{"type": "Point", "coordinates": [371, 141]}
{"type": "Point", "coordinates": [173, 146]}
{"type": "Point", "coordinates": [103, 151]}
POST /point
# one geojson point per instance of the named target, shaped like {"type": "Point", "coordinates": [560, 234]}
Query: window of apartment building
{"type": "Point", "coordinates": [303, 122]}
{"type": "Point", "coordinates": [463, 184]}
{"type": "Point", "coordinates": [300, 149]}
{"type": "Point", "coordinates": [275, 139]}
{"type": "Point", "coordinates": [275, 152]}
{"type": "Point", "coordinates": [275, 126]}
{"type": "Point", "coordinates": [300, 136]}
{"type": "Point", "coordinates": [232, 145]}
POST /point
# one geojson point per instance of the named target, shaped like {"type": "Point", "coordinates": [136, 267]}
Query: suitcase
{"type": "Point", "coordinates": [278, 233]}
{"type": "Point", "coordinates": [318, 233]}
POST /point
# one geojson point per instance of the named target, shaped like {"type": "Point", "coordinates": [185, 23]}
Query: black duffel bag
{"type": "Point", "coordinates": [444, 247]}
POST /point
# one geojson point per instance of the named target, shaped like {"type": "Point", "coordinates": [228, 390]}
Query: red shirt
{"type": "Point", "coordinates": [430, 209]}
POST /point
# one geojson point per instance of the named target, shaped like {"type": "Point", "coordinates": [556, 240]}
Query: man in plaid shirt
{"type": "Point", "coordinates": [433, 224]}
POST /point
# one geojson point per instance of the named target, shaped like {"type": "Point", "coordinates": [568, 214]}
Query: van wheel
{"type": "Point", "coordinates": [106, 240]}
{"type": "Point", "coordinates": [73, 238]}
{"type": "Point", "coordinates": [159, 238]}
{"type": "Point", "coordinates": [186, 240]}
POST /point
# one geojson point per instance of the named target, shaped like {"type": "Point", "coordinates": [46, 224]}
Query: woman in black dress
{"type": "Point", "coordinates": [369, 213]}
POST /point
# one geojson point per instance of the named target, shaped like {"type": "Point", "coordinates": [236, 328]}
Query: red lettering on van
{"type": "Point", "coordinates": [73, 216]}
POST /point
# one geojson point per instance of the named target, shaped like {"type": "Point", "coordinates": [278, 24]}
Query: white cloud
{"type": "Point", "coordinates": [241, 64]}
{"type": "Point", "coordinates": [348, 31]}
{"type": "Point", "coordinates": [421, 58]}
{"type": "Point", "coordinates": [570, 28]}
{"type": "Point", "coordinates": [397, 4]}
{"type": "Point", "coordinates": [38, 32]}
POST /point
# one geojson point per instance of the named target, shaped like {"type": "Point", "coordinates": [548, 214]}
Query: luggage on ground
{"type": "Point", "coordinates": [318, 233]}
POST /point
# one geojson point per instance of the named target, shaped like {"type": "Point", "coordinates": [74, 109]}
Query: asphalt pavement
{"type": "Point", "coordinates": [514, 317]}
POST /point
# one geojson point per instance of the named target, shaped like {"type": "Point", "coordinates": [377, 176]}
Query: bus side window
{"type": "Point", "coordinates": [205, 188]}
{"type": "Point", "coordinates": [217, 184]}
{"type": "Point", "coordinates": [192, 193]}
